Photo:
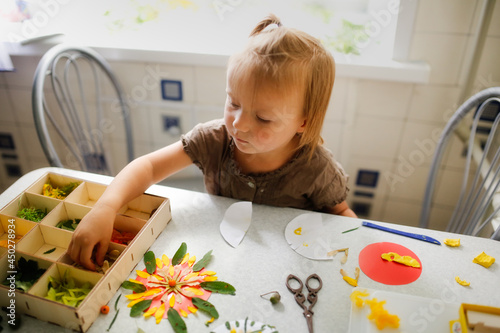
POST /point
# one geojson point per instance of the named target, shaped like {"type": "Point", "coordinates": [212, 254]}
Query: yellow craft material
{"type": "Point", "coordinates": [462, 282]}
{"type": "Point", "coordinates": [405, 260]}
{"type": "Point", "coordinates": [452, 242]}
{"type": "Point", "coordinates": [484, 260]}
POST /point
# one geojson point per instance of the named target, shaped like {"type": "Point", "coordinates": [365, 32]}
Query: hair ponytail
{"type": "Point", "coordinates": [270, 19]}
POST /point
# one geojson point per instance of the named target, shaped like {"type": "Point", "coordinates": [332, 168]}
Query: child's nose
{"type": "Point", "coordinates": [241, 121]}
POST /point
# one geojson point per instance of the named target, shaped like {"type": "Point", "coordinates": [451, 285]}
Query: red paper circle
{"type": "Point", "coordinates": [388, 272]}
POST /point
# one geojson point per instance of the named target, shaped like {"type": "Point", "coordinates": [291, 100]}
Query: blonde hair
{"type": "Point", "coordinates": [290, 59]}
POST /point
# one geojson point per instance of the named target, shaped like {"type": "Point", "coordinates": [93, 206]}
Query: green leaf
{"type": "Point", "coordinates": [203, 262]}
{"type": "Point", "coordinates": [116, 302]}
{"type": "Point", "coordinates": [181, 252]}
{"type": "Point", "coordinates": [136, 287]}
{"type": "Point", "coordinates": [176, 321]}
{"type": "Point", "coordinates": [50, 251]}
{"type": "Point", "coordinates": [218, 287]}
{"type": "Point", "coordinates": [138, 308]}
{"type": "Point", "coordinates": [150, 262]}
{"type": "Point", "coordinates": [205, 306]}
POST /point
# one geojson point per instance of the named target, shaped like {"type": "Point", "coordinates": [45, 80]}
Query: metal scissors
{"type": "Point", "coordinates": [312, 296]}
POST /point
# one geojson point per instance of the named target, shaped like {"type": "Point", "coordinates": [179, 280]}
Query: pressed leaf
{"type": "Point", "coordinates": [176, 321]}
{"type": "Point", "coordinates": [218, 287]}
{"type": "Point", "coordinates": [150, 262]}
{"type": "Point", "coordinates": [136, 287]}
{"type": "Point", "coordinates": [138, 308]}
{"type": "Point", "coordinates": [203, 262]}
{"type": "Point", "coordinates": [50, 251]}
{"type": "Point", "coordinates": [205, 306]}
{"type": "Point", "coordinates": [179, 255]}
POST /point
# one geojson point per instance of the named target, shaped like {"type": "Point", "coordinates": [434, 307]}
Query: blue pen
{"type": "Point", "coordinates": [402, 233]}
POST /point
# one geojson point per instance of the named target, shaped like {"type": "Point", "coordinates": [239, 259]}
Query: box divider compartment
{"type": "Point", "coordinates": [142, 207]}
{"type": "Point", "coordinates": [65, 211]}
{"type": "Point", "coordinates": [53, 179]}
{"type": "Point", "coordinates": [27, 200]}
{"type": "Point", "coordinates": [86, 194]}
{"type": "Point", "coordinates": [43, 239]}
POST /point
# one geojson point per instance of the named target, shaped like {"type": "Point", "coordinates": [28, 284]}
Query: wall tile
{"type": "Point", "coordinates": [338, 101]}
{"type": "Point", "coordinates": [373, 137]}
{"type": "Point", "coordinates": [332, 135]}
{"type": "Point", "coordinates": [185, 74]}
{"type": "Point", "coordinates": [160, 137]}
{"type": "Point", "coordinates": [21, 100]}
{"type": "Point", "coordinates": [444, 53]}
{"type": "Point", "coordinates": [6, 108]}
{"type": "Point", "coordinates": [418, 142]}
{"type": "Point", "coordinates": [409, 185]}
{"type": "Point", "coordinates": [450, 16]}
{"type": "Point", "coordinates": [433, 103]}
{"type": "Point", "coordinates": [383, 99]}
{"type": "Point", "coordinates": [24, 73]}
{"type": "Point", "coordinates": [202, 114]}
{"type": "Point", "coordinates": [210, 85]}
{"type": "Point", "coordinates": [402, 212]}
{"type": "Point", "coordinates": [488, 73]}
{"type": "Point", "coordinates": [494, 30]}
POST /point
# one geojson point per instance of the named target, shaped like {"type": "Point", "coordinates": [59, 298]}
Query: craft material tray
{"type": "Point", "coordinates": [43, 242]}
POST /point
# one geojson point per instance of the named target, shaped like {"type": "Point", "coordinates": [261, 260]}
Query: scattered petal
{"type": "Point", "coordinates": [462, 282]}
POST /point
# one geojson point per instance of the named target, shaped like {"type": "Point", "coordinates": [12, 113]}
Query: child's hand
{"type": "Point", "coordinates": [93, 233]}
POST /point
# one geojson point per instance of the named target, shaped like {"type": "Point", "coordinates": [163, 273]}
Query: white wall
{"type": "Point", "coordinates": [382, 126]}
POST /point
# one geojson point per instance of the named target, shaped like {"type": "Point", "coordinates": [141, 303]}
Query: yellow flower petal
{"type": "Point", "coordinates": [183, 313]}
{"type": "Point", "coordinates": [462, 282]}
{"type": "Point", "coordinates": [195, 291]}
{"type": "Point", "coordinates": [190, 275]}
{"type": "Point", "coordinates": [165, 259]}
{"type": "Point", "coordinates": [159, 313]}
{"type": "Point", "coordinates": [152, 291]}
{"type": "Point", "coordinates": [351, 281]}
{"type": "Point", "coordinates": [192, 309]}
{"type": "Point", "coordinates": [211, 320]}
{"type": "Point", "coordinates": [171, 301]}
{"type": "Point", "coordinates": [186, 258]}
{"type": "Point", "coordinates": [191, 261]}
{"type": "Point", "coordinates": [159, 263]}
{"type": "Point", "coordinates": [150, 312]}
{"type": "Point", "coordinates": [208, 273]}
{"type": "Point", "coordinates": [142, 274]}
{"type": "Point", "coordinates": [160, 278]}
{"type": "Point", "coordinates": [210, 278]}
{"type": "Point", "coordinates": [171, 270]}
{"type": "Point", "coordinates": [134, 302]}
{"type": "Point", "coordinates": [135, 296]}
{"type": "Point", "coordinates": [135, 281]}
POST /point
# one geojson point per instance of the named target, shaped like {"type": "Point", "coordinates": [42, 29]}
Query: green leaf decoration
{"type": "Point", "coordinates": [136, 287]}
{"type": "Point", "coordinates": [150, 262]}
{"type": "Point", "coordinates": [218, 287]}
{"type": "Point", "coordinates": [205, 306]}
{"type": "Point", "coordinates": [203, 262]}
{"type": "Point", "coordinates": [181, 252]}
{"type": "Point", "coordinates": [116, 302]}
{"type": "Point", "coordinates": [50, 251]}
{"type": "Point", "coordinates": [114, 319]}
{"type": "Point", "coordinates": [138, 308]}
{"type": "Point", "coordinates": [176, 321]}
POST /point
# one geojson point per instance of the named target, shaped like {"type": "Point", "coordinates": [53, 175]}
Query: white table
{"type": "Point", "coordinates": [264, 259]}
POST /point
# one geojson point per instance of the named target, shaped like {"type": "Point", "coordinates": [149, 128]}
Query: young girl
{"type": "Point", "coordinates": [267, 149]}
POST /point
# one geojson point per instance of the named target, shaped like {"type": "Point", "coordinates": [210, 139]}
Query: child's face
{"type": "Point", "coordinates": [261, 120]}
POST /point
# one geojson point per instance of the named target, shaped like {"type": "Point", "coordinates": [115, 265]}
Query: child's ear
{"type": "Point", "coordinates": [302, 127]}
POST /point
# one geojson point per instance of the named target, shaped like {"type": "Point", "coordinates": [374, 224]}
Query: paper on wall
{"type": "Point", "coordinates": [236, 222]}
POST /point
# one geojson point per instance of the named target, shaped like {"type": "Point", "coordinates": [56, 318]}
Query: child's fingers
{"type": "Point", "coordinates": [101, 252]}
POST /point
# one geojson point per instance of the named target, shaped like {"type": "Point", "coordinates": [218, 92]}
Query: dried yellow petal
{"type": "Point", "coordinates": [210, 278]}
{"type": "Point", "coordinates": [193, 309]}
{"type": "Point", "coordinates": [405, 260]}
{"type": "Point", "coordinates": [484, 260]}
{"type": "Point", "coordinates": [159, 263]}
{"type": "Point", "coordinates": [186, 258]}
{"type": "Point", "coordinates": [159, 313]}
{"type": "Point", "coordinates": [452, 242]}
{"type": "Point", "coordinates": [208, 273]}
{"type": "Point", "coordinates": [171, 301]}
{"type": "Point", "coordinates": [183, 313]}
{"type": "Point", "coordinates": [165, 259]}
{"type": "Point", "coordinates": [462, 282]}
{"type": "Point", "coordinates": [195, 291]}
{"type": "Point", "coordinates": [150, 312]}
{"type": "Point", "coordinates": [142, 274]}
{"type": "Point", "coordinates": [134, 302]}
{"type": "Point", "coordinates": [351, 281]}
{"type": "Point", "coordinates": [191, 261]}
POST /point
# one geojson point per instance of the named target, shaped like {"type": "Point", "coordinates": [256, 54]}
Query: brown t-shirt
{"type": "Point", "coordinates": [301, 183]}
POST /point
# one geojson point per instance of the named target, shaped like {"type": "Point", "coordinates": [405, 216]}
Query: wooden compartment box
{"type": "Point", "coordinates": [43, 242]}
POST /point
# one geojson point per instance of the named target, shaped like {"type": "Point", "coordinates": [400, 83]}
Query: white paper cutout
{"type": "Point", "coordinates": [236, 222]}
{"type": "Point", "coordinates": [304, 233]}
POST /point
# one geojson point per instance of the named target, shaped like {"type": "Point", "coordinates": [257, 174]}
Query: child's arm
{"type": "Point", "coordinates": [341, 209]}
{"type": "Point", "coordinates": [95, 229]}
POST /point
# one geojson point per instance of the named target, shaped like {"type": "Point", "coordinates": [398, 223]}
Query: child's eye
{"type": "Point", "coordinates": [262, 120]}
